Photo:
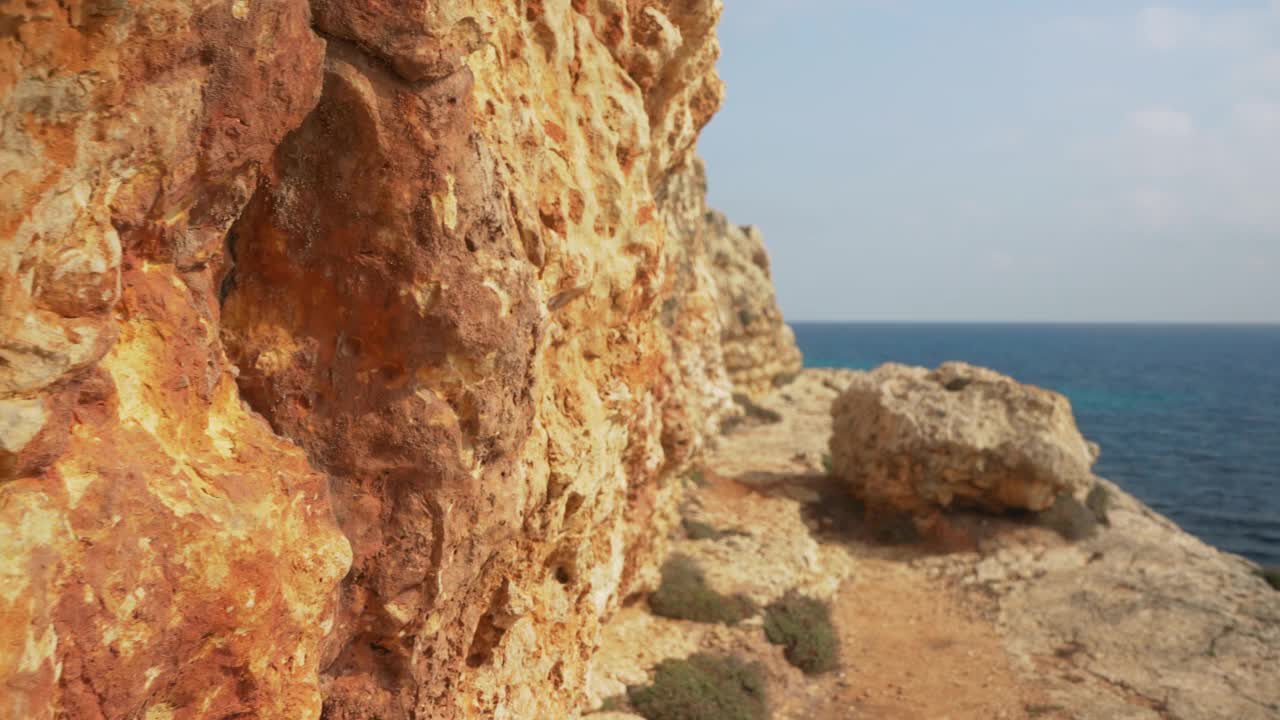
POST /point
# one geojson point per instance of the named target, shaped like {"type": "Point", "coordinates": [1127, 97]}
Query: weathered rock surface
{"type": "Point", "coordinates": [915, 440]}
{"type": "Point", "coordinates": [759, 347]}
{"type": "Point", "coordinates": [1009, 620]}
{"type": "Point", "coordinates": [162, 552]}
{"type": "Point", "coordinates": [1138, 621]}
{"type": "Point", "coordinates": [690, 315]}
{"type": "Point", "coordinates": [447, 251]}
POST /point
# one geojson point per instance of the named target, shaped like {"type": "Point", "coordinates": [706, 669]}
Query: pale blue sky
{"type": "Point", "coordinates": [1094, 160]}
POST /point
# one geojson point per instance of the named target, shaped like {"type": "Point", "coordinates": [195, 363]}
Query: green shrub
{"type": "Point", "coordinates": [698, 530]}
{"type": "Point", "coordinates": [802, 625]}
{"type": "Point", "coordinates": [614, 703]}
{"type": "Point", "coordinates": [784, 379]}
{"type": "Point", "coordinates": [1099, 502]}
{"type": "Point", "coordinates": [1271, 575]}
{"type": "Point", "coordinates": [754, 410]}
{"type": "Point", "coordinates": [1070, 518]}
{"type": "Point", "coordinates": [827, 466]}
{"type": "Point", "coordinates": [730, 423]}
{"type": "Point", "coordinates": [684, 595]}
{"type": "Point", "coordinates": [702, 687]}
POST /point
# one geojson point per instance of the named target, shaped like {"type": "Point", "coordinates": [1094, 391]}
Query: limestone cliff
{"type": "Point", "coordinates": [759, 348]}
{"type": "Point", "coordinates": [727, 264]}
{"type": "Point", "coordinates": [347, 350]}
{"type": "Point", "coordinates": [162, 551]}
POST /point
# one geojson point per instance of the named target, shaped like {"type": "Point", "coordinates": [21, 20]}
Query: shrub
{"type": "Point", "coordinates": [1099, 501]}
{"type": "Point", "coordinates": [828, 466]}
{"type": "Point", "coordinates": [754, 410]}
{"type": "Point", "coordinates": [702, 687]}
{"type": "Point", "coordinates": [802, 625]}
{"type": "Point", "coordinates": [1271, 575]}
{"type": "Point", "coordinates": [698, 530]}
{"type": "Point", "coordinates": [684, 595]}
{"type": "Point", "coordinates": [1070, 518]}
{"type": "Point", "coordinates": [614, 703]}
{"type": "Point", "coordinates": [730, 423]}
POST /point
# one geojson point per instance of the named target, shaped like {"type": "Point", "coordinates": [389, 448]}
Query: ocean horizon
{"type": "Point", "coordinates": [1187, 414]}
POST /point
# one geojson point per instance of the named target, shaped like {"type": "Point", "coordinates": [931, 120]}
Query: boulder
{"type": "Point", "coordinates": [916, 440]}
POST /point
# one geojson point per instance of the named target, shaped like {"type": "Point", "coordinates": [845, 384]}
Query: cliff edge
{"type": "Point", "coordinates": [971, 616]}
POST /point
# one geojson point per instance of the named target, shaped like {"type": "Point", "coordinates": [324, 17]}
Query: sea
{"type": "Point", "coordinates": [1188, 416]}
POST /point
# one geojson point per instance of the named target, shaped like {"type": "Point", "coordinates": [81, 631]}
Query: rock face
{"type": "Point", "coordinates": [346, 349]}
{"type": "Point", "coordinates": [162, 551]}
{"type": "Point", "coordinates": [759, 348]}
{"type": "Point", "coordinates": [916, 440]}
{"type": "Point", "coordinates": [690, 316]}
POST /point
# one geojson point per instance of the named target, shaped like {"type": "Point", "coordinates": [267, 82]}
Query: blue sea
{"type": "Point", "coordinates": [1188, 417]}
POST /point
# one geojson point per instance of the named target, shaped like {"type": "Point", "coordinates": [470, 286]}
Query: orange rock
{"type": "Point", "coordinates": [303, 404]}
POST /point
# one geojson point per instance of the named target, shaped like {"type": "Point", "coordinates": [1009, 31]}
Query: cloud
{"type": "Point", "coordinates": [1165, 28]}
{"type": "Point", "coordinates": [1269, 69]}
{"type": "Point", "coordinates": [1258, 119]}
{"type": "Point", "coordinates": [1204, 156]}
{"type": "Point", "coordinates": [1163, 123]}
{"type": "Point", "coordinates": [1160, 143]}
{"type": "Point", "coordinates": [1222, 177]}
{"type": "Point", "coordinates": [1259, 74]}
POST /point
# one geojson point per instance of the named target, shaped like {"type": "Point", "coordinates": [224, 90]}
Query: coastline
{"type": "Point", "coordinates": [374, 360]}
{"type": "Point", "coordinates": [1185, 416]}
{"type": "Point", "coordinates": [1140, 620]}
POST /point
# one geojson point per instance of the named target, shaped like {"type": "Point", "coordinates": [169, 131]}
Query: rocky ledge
{"type": "Point", "coordinates": [975, 615]}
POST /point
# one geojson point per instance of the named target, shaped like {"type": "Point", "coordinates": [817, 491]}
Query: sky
{"type": "Point", "coordinates": [1047, 161]}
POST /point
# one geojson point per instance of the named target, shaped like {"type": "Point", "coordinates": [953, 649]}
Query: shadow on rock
{"type": "Point", "coordinates": [833, 515]}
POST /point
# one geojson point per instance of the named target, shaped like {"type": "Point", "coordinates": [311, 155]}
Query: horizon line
{"type": "Point", "coordinates": [1172, 323]}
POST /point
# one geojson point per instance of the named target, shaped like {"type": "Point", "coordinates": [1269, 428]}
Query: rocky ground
{"type": "Point", "coordinates": [981, 617]}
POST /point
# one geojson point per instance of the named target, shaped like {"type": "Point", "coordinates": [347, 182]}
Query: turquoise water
{"type": "Point", "coordinates": [1188, 417]}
